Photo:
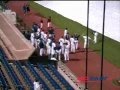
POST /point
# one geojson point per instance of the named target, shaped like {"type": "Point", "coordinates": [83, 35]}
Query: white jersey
{"type": "Point", "coordinates": [36, 86]}
{"type": "Point", "coordinates": [48, 46]}
{"type": "Point", "coordinates": [96, 34]}
{"type": "Point", "coordinates": [72, 41]}
{"type": "Point", "coordinates": [37, 33]}
{"type": "Point", "coordinates": [45, 37]}
{"type": "Point", "coordinates": [66, 54]}
{"type": "Point", "coordinates": [53, 46]}
{"type": "Point", "coordinates": [38, 30]}
{"type": "Point", "coordinates": [42, 34]}
{"type": "Point", "coordinates": [67, 48]}
{"type": "Point", "coordinates": [95, 37]}
{"type": "Point", "coordinates": [48, 40]}
{"type": "Point", "coordinates": [85, 39]}
{"type": "Point", "coordinates": [68, 42]}
{"type": "Point", "coordinates": [65, 32]}
{"type": "Point", "coordinates": [61, 40]}
{"type": "Point", "coordinates": [32, 36]}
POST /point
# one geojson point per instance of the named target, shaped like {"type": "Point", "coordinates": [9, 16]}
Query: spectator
{"type": "Point", "coordinates": [24, 9]}
{"type": "Point", "coordinates": [28, 8]}
{"type": "Point", "coordinates": [36, 85]}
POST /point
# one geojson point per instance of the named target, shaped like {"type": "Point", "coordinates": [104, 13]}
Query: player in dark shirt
{"type": "Point", "coordinates": [51, 32]}
{"type": "Point", "coordinates": [58, 50]}
{"type": "Point", "coordinates": [34, 27]}
{"type": "Point", "coordinates": [76, 38]}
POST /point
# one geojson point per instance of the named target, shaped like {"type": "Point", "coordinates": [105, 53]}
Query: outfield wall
{"type": "Point", "coordinates": [77, 11]}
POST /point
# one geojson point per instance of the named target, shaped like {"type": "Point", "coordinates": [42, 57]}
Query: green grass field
{"type": "Point", "coordinates": [111, 47]}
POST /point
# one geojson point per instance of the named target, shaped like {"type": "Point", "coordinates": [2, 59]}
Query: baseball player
{"type": "Point", "coordinates": [61, 40]}
{"type": "Point", "coordinates": [53, 45]}
{"type": "Point", "coordinates": [41, 23]}
{"type": "Point", "coordinates": [66, 48]}
{"type": "Point", "coordinates": [32, 38]}
{"type": "Point", "coordinates": [72, 43]}
{"type": "Point", "coordinates": [45, 37]}
{"type": "Point", "coordinates": [95, 37]}
{"type": "Point", "coordinates": [49, 22]}
{"type": "Point", "coordinates": [76, 38]}
{"type": "Point", "coordinates": [58, 51]}
{"type": "Point", "coordinates": [41, 46]}
{"type": "Point", "coordinates": [48, 47]}
{"type": "Point", "coordinates": [85, 41]}
{"type": "Point", "coordinates": [65, 32]}
{"type": "Point", "coordinates": [42, 34]}
{"type": "Point", "coordinates": [38, 29]}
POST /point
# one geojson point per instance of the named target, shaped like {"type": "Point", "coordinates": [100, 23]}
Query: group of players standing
{"type": "Point", "coordinates": [48, 45]}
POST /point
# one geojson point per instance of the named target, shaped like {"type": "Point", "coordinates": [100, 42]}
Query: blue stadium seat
{"type": "Point", "coordinates": [53, 82]}
{"type": "Point", "coordinates": [36, 75]}
{"type": "Point", "coordinates": [24, 75]}
{"type": "Point", "coordinates": [10, 71]}
{"type": "Point", "coordinates": [60, 77]}
{"type": "Point", "coordinates": [3, 81]}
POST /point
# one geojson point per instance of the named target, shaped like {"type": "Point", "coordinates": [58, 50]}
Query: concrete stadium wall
{"type": "Point", "coordinates": [77, 11]}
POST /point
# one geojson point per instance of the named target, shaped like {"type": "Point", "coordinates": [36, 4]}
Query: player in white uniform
{"type": "Point", "coordinates": [32, 38]}
{"type": "Point", "coordinates": [67, 47]}
{"type": "Point", "coordinates": [53, 45]}
{"type": "Point", "coordinates": [65, 32]}
{"type": "Point", "coordinates": [42, 34]}
{"type": "Point", "coordinates": [61, 40]}
{"type": "Point", "coordinates": [45, 37]}
{"type": "Point", "coordinates": [76, 38]}
{"type": "Point", "coordinates": [85, 41]}
{"type": "Point", "coordinates": [48, 47]}
{"type": "Point", "coordinates": [72, 43]}
{"type": "Point", "coordinates": [39, 30]}
{"type": "Point", "coordinates": [95, 37]}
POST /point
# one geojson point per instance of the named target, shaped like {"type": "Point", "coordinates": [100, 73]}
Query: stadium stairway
{"type": "Point", "coordinates": [11, 87]}
{"type": "Point", "coordinates": [20, 76]}
{"type": "Point", "coordinates": [44, 78]}
{"type": "Point", "coordinates": [15, 80]}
